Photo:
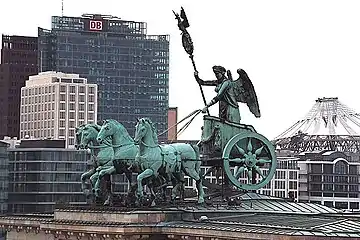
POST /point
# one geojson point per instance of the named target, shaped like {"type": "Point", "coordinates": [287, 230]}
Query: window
{"type": "Point", "coordinates": [81, 89]}
{"type": "Point", "coordinates": [292, 175]}
{"type": "Point", "coordinates": [62, 97]}
{"type": "Point", "coordinates": [81, 107]}
{"type": "Point", "coordinates": [62, 106]}
{"type": "Point", "coordinates": [328, 187]}
{"type": "Point", "coordinates": [91, 107]}
{"type": "Point", "coordinates": [90, 116]}
{"type": "Point", "coordinates": [72, 89]}
{"type": "Point", "coordinates": [91, 90]}
{"type": "Point", "coordinates": [353, 170]}
{"type": "Point", "coordinates": [354, 205]}
{"type": "Point", "coordinates": [72, 97]}
{"type": "Point", "coordinates": [293, 185]}
{"type": "Point", "coordinates": [62, 88]}
{"type": "Point", "coordinates": [316, 168]}
{"type": "Point", "coordinates": [62, 123]}
{"type": "Point", "coordinates": [72, 106]}
{"type": "Point", "coordinates": [341, 167]}
{"type": "Point", "coordinates": [72, 115]}
{"type": "Point", "coordinates": [328, 168]}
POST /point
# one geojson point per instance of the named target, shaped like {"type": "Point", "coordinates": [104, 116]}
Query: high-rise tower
{"type": "Point", "coordinates": [130, 67]}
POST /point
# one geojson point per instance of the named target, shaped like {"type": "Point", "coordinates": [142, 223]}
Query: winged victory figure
{"type": "Point", "coordinates": [230, 92]}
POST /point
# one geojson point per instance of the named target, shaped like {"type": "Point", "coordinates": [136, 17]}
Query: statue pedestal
{"type": "Point", "coordinates": [119, 216]}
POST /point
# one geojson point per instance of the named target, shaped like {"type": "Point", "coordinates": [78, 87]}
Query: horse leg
{"type": "Point", "coordinates": [145, 174]}
{"type": "Point", "coordinates": [108, 171]}
{"type": "Point", "coordinates": [94, 179]}
{"type": "Point", "coordinates": [195, 175]}
{"type": "Point", "coordinates": [84, 176]}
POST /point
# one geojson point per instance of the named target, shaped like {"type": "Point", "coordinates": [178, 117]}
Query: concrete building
{"type": "Point", "coordinates": [54, 103]}
{"type": "Point", "coordinates": [130, 67]}
{"type": "Point", "coordinates": [330, 178]}
{"type": "Point", "coordinates": [18, 62]}
{"type": "Point", "coordinates": [285, 183]}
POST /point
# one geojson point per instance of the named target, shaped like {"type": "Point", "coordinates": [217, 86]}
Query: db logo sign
{"type": "Point", "coordinates": [96, 25]}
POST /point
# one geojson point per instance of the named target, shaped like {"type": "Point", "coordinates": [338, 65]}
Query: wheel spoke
{"type": "Point", "coordinates": [258, 170]}
{"type": "Point", "coordinates": [237, 160]}
{"type": "Point", "coordinates": [262, 161]}
{"type": "Point", "coordinates": [242, 151]}
{"type": "Point", "coordinates": [249, 146]}
{"type": "Point", "coordinates": [239, 172]}
{"type": "Point", "coordinates": [250, 174]}
{"type": "Point", "coordinates": [258, 151]}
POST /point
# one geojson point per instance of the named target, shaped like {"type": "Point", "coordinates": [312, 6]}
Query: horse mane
{"type": "Point", "coordinates": [95, 126]}
{"type": "Point", "coordinates": [153, 129]}
{"type": "Point", "coordinates": [123, 129]}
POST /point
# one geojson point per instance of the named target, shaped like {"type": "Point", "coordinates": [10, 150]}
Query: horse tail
{"type": "Point", "coordinates": [197, 157]}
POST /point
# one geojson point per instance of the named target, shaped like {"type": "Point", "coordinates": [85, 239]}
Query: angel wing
{"type": "Point", "coordinates": [245, 92]}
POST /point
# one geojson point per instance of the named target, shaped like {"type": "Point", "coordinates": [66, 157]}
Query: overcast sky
{"type": "Point", "coordinates": [293, 51]}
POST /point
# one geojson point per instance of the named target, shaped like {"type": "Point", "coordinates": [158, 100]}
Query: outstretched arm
{"type": "Point", "coordinates": [219, 96]}
{"type": "Point", "coordinates": [204, 83]}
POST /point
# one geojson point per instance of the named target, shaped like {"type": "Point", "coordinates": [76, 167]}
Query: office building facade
{"type": "Point", "coordinates": [4, 177]}
{"type": "Point", "coordinates": [53, 104]}
{"type": "Point", "coordinates": [130, 67]}
{"type": "Point", "coordinates": [41, 176]}
{"type": "Point", "coordinates": [18, 62]}
{"type": "Point", "coordinates": [330, 178]}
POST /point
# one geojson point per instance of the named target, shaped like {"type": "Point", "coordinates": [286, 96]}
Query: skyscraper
{"type": "Point", "coordinates": [130, 67]}
{"type": "Point", "coordinates": [18, 62]}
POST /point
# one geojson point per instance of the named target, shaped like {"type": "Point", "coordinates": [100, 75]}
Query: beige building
{"type": "Point", "coordinates": [54, 103]}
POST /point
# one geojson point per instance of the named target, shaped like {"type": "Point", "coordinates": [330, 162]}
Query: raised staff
{"type": "Point", "coordinates": [187, 43]}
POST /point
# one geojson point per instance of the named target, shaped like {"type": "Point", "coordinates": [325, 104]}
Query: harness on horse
{"type": "Point", "coordinates": [171, 156]}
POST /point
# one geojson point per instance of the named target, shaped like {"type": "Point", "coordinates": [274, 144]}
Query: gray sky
{"type": "Point", "coordinates": [293, 51]}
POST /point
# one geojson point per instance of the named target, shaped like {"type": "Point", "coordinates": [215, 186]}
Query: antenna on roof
{"type": "Point", "coordinates": [62, 8]}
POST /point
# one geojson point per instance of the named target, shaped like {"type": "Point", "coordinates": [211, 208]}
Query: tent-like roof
{"type": "Point", "coordinates": [328, 116]}
{"type": "Point", "coordinates": [329, 125]}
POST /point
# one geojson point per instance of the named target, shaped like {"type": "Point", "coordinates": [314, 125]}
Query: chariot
{"type": "Point", "coordinates": [245, 158]}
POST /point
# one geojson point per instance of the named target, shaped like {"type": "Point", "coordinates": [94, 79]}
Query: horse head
{"type": "Point", "coordinates": [143, 129]}
{"type": "Point", "coordinates": [108, 128]}
{"type": "Point", "coordinates": [89, 133]}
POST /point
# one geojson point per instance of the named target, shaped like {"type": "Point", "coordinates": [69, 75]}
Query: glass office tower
{"type": "Point", "coordinates": [130, 67]}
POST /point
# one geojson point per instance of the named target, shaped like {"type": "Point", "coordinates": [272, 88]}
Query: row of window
{"type": "Point", "coordinates": [79, 98]}
{"type": "Point", "coordinates": [341, 167]}
{"type": "Point", "coordinates": [25, 100]}
{"type": "Point", "coordinates": [32, 117]}
{"type": "Point", "coordinates": [45, 91]}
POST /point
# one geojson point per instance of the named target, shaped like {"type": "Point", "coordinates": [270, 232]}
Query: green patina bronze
{"type": "Point", "coordinates": [102, 156]}
{"type": "Point", "coordinates": [125, 156]}
{"type": "Point", "coordinates": [225, 143]}
{"type": "Point", "coordinates": [172, 161]}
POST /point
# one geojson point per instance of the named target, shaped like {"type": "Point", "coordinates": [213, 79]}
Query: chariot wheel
{"type": "Point", "coordinates": [249, 161]}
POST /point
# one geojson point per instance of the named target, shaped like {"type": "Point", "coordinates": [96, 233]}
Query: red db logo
{"type": "Point", "coordinates": [96, 25]}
